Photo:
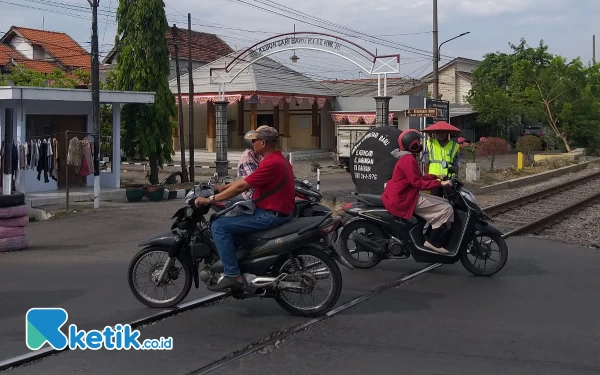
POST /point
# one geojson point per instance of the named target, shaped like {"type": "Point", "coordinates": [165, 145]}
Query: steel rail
{"type": "Point", "coordinates": [503, 206]}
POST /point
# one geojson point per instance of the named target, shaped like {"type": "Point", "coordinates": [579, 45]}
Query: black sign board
{"type": "Point", "coordinates": [443, 111]}
{"type": "Point", "coordinates": [371, 160]}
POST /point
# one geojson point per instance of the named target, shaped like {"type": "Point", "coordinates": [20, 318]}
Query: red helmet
{"type": "Point", "coordinates": [410, 140]}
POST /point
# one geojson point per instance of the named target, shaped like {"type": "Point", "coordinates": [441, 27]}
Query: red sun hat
{"type": "Point", "coordinates": [442, 126]}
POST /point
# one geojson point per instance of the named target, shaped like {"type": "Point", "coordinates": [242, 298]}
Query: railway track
{"type": "Point", "coordinates": [534, 211]}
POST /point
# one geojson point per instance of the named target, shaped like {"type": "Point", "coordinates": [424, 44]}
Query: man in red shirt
{"type": "Point", "coordinates": [274, 172]}
{"type": "Point", "coordinates": [401, 196]}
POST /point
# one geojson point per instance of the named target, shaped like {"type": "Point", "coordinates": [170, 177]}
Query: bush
{"type": "Point", "coordinates": [527, 144]}
{"type": "Point", "coordinates": [492, 147]}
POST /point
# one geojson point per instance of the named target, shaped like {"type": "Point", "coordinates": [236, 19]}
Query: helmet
{"type": "Point", "coordinates": [410, 140]}
{"type": "Point", "coordinates": [248, 142]}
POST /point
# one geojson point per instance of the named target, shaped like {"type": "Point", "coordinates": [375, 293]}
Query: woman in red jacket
{"type": "Point", "coordinates": [402, 196]}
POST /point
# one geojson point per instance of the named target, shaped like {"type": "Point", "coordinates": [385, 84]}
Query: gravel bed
{"type": "Point", "coordinates": [579, 228]}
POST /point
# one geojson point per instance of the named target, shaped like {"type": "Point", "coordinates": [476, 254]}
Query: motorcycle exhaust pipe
{"type": "Point", "coordinates": [368, 244]}
{"type": "Point", "coordinates": [264, 282]}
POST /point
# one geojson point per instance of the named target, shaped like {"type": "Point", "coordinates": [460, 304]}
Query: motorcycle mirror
{"type": "Point", "coordinates": [451, 169]}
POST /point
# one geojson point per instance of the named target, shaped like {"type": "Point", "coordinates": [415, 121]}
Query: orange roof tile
{"type": "Point", "coordinates": [6, 52]}
{"type": "Point", "coordinates": [41, 66]}
{"type": "Point", "coordinates": [60, 45]}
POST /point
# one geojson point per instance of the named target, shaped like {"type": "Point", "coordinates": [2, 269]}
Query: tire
{"type": "Point", "coordinates": [345, 236]}
{"type": "Point", "coordinates": [333, 297]}
{"type": "Point", "coordinates": [10, 232]}
{"type": "Point", "coordinates": [14, 211]}
{"type": "Point", "coordinates": [14, 243]}
{"type": "Point", "coordinates": [14, 199]}
{"type": "Point", "coordinates": [503, 258]}
{"type": "Point", "coordinates": [20, 221]}
{"type": "Point", "coordinates": [179, 297]}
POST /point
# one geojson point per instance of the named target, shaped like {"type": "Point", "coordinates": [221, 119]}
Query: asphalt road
{"type": "Point", "coordinates": [539, 315]}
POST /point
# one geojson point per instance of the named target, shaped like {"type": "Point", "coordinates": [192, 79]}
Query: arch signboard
{"type": "Point", "coordinates": [369, 62]}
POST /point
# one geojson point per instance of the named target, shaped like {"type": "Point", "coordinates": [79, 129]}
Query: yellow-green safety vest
{"type": "Point", "coordinates": [437, 154]}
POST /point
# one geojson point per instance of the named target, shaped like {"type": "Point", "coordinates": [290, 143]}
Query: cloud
{"type": "Point", "coordinates": [494, 7]}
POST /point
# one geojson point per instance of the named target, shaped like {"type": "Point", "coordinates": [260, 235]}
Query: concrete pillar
{"type": "Point", "coordinates": [382, 110]}
{"type": "Point", "coordinates": [21, 132]}
{"type": "Point", "coordinates": [221, 162]}
{"type": "Point", "coordinates": [7, 115]}
{"type": "Point", "coordinates": [285, 131]}
{"type": "Point", "coordinates": [315, 131]}
{"type": "Point", "coordinates": [116, 144]}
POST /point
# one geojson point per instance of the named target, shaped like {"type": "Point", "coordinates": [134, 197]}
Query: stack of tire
{"type": "Point", "coordinates": [13, 220]}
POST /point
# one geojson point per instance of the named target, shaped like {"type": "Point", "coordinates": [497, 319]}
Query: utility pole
{"type": "Point", "coordinates": [184, 172]}
{"type": "Point", "coordinates": [594, 49]}
{"type": "Point", "coordinates": [96, 104]}
{"type": "Point", "coordinates": [191, 97]}
{"type": "Point", "coordinates": [436, 78]}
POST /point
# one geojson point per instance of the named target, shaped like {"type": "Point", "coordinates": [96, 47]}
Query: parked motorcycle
{"type": "Point", "coordinates": [284, 263]}
{"type": "Point", "coordinates": [389, 237]}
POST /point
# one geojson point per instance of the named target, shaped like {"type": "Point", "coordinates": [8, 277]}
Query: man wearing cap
{"type": "Point", "coordinates": [274, 179]}
{"type": "Point", "coordinates": [439, 154]}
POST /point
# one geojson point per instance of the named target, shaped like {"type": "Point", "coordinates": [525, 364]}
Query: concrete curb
{"type": "Point", "coordinates": [535, 178]}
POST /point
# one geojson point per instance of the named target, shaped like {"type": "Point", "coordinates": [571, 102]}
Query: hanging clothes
{"type": "Point", "coordinates": [87, 162]}
{"type": "Point", "coordinates": [74, 153]}
{"type": "Point", "coordinates": [2, 164]}
{"type": "Point", "coordinates": [56, 161]}
{"type": "Point", "coordinates": [43, 162]}
{"type": "Point", "coordinates": [35, 153]}
{"type": "Point", "coordinates": [28, 154]}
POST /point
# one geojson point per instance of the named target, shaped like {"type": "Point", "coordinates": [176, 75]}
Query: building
{"type": "Point", "coordinates": [455, 80]}
{"type": "Point", "coordinates": [205, 49]}
{"type": "Point", "coordinates": [265, 93]}
{"type": "Point", "coordinates": [42, 51]}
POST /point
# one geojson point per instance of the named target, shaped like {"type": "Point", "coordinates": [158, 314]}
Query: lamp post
{"type": "Point", "coordinates": [456, 37]}
{"type": "Point", "coordinates": [436, 79]}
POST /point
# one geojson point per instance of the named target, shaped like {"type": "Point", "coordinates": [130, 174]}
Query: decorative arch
{"type": "Point", "coordinates": [369, 62]}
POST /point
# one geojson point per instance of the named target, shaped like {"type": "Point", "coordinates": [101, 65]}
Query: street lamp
{"type": "Point", "coordinates": [458, 36]}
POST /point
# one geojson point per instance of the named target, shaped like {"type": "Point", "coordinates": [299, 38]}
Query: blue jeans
{"type": "Point", "coordinates": [223, 230]}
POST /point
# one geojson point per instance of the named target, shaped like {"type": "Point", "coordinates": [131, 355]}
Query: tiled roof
{"type": "Point", "coordinates": [368, 86]}
{"type": "Point", "coordinates": [59, 45]}
{"type": "Point", "coordinates": [205, 47]}
{"type": "Point", "coordinates": [6, 52]}
{"type": "Point", "coordinates": [41, 66]}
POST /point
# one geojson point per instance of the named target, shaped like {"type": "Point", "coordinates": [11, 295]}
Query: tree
{"type": "Point", "coordinates": [527, 144]}
{"type": "Point", "coordinates": [490, 148]}
{"type": "Point", "coordinates": [19, 75]}
{"type": "Point", "coordinates": [143, 65]}
{"type": "Point", "coordinates": [532, 85]}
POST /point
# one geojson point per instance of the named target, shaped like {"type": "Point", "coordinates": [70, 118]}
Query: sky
{"type": "Point", "coordinates": [400, 26]}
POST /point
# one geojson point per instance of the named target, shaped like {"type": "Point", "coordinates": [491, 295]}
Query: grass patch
{"type": "Point", "coordinates": [511, 173]}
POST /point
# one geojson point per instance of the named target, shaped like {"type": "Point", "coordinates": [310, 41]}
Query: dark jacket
{"type": "Point", "coordinates": [401, 193]}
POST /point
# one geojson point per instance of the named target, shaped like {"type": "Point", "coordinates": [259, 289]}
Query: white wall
{"type": "Point", "coordinates": [23, 46]}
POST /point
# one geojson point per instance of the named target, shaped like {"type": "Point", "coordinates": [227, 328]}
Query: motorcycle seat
{"type": "Point", "coordinates": [371, 200]}
{"type": "Point", "coordinates": [285, 229]}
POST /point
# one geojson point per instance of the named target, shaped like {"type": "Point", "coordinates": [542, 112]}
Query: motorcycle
{"type": "Point", "coordinates": [279, 263]}
{"type": "Point", "coordinates": [390, 237]}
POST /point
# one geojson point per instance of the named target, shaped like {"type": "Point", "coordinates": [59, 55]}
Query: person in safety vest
{"type": "Point", "coordinates": [402, 197]}
{"type": "Point", "coordinates": [440, 153]}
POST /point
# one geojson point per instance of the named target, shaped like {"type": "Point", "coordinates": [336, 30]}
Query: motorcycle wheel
{"type": "Point", "coordinates": [369, 228]}
{"type": "Point", "coordinates": [295, 267]}
{"type": "Point", "coordinates": [471, 267]}
{"type": "Point", "coordinates": [153, 271]}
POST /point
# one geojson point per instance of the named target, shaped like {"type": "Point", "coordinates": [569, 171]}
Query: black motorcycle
{"type": "Point", "coordinates": [388, 237]}
{"type": "Point", "coordinates": [286, 263]}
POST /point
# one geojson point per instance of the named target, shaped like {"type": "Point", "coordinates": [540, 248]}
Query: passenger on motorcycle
{"type": "Point", "coordinates": [271, 211]}
{"type": "Point", "coordinates": [402, 196]}
{"type": "Point", "coordinates": [247, 165]}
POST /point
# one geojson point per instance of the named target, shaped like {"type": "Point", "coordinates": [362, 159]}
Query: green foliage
{"type": "Point", "coordinates": [530, 84]}
{"type": "Point", "coordinates": [527, 144]}
{"type": "Point", "coordinates": [143, 65]}
{"type": "Point", "coordinates": [19, 75]}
